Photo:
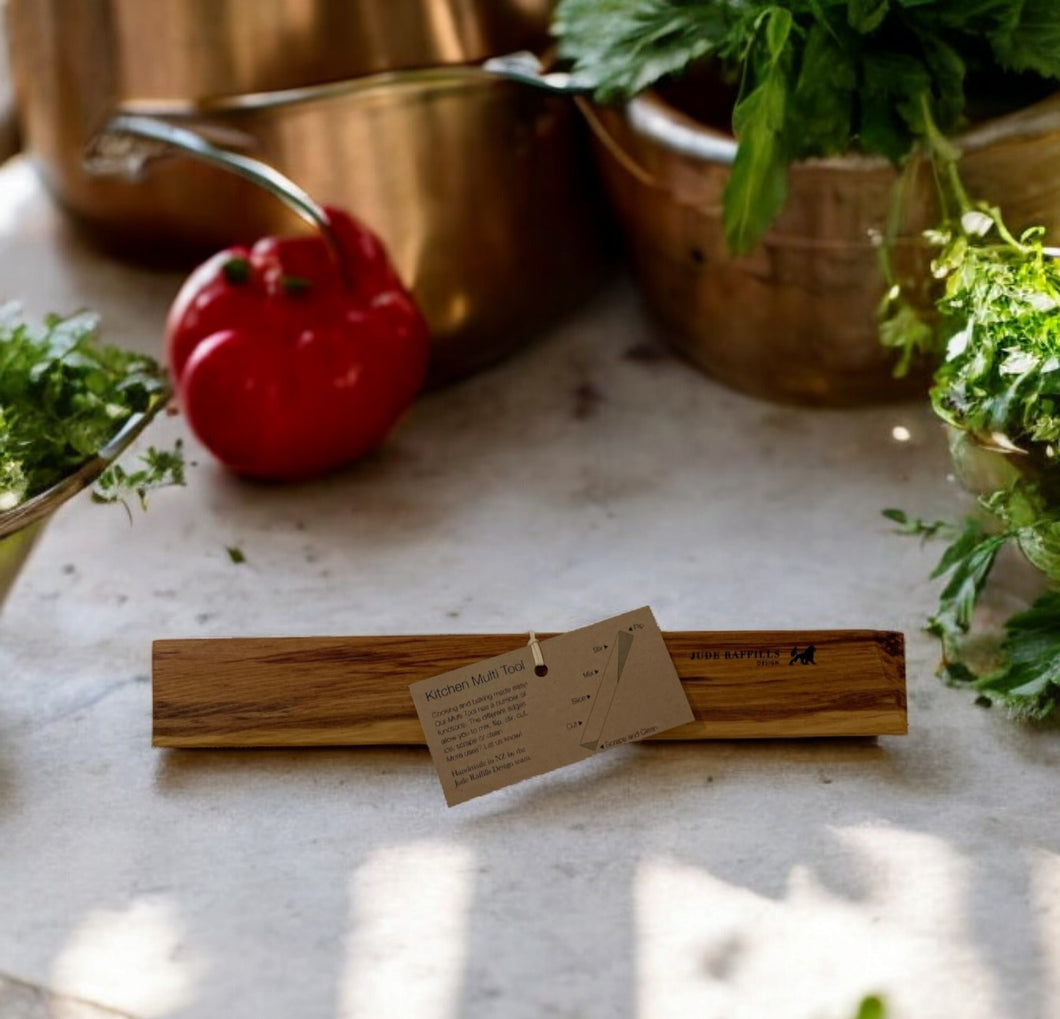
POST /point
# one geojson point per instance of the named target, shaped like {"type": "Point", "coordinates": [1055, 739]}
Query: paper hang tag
{"type": "Point", "coordinates": [547, 705]}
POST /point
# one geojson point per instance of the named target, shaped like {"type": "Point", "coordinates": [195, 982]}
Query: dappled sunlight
{"type": "Point", "coordinates": [1045, 893]}
{"type": "Point", "coordinates": [131, 959]}
{"type": "Point", "coordinates": [922, 879]}
{"type": "Point", "coordinates": [20, 193]}
{"type": "Point", "coordinates": [717, 950]}
{"type": "Point", "coordinates": [406, 949]}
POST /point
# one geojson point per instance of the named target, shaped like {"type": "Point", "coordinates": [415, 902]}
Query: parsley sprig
{"type": "Point", "coordinates": [815, 77]}
{"type": "Point", "coordinates": [1025, 676]}
{"type": "Point", "coordinates": [998, 389]}
{"type": "Point", "coordinates": [160, 468]}
{"type": "Point", "coordinates": [1000, 379]}
{"type": "Point", "coordinates": [63, 397]}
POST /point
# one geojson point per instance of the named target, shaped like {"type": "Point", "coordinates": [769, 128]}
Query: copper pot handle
{"type": "Point", "coordinates": [527, 68]}
{"type": "Point", "coordinates": [128, 142]}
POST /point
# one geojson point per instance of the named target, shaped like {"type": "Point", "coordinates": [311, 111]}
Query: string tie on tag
{"type": "Point", "coordinates": [540, 668]}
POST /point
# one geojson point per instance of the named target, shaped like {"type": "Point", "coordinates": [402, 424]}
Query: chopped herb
{"type": "Point", "coordinates": [161, 469]}
{"type": "Point", "coordinates": [235, 553]}
{"type": "Point", "coordinates": [63, 396]}
{"type": "Point", "coordinates": [871, 1007]}
{"type": "Point", "coordinates": [908, 525]}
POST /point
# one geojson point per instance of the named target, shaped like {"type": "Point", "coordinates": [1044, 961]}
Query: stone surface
{"type": "Point", "coordinates": [24, 1001]}
{"type": "Point", "coordinates": [578, 479]}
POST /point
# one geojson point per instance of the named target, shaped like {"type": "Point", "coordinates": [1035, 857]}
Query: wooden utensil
{"type": "Point", "coordinates": [337, 691]}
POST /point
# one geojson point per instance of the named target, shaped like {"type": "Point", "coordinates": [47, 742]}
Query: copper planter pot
{"type": "Point", "coordinates": [795, 321]}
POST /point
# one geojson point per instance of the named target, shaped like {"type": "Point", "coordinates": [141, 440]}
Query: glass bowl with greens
{"type": "Point", "coordinates": [69, 407]}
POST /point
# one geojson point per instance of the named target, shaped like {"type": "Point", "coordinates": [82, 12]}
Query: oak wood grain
{"type": "Point", "coordinates": [339, 691]}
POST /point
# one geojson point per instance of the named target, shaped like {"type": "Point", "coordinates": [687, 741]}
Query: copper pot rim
{"type": "Point", "coordinates": [389, 84]}
{"type": "Point", "coordinates": [658, 121]}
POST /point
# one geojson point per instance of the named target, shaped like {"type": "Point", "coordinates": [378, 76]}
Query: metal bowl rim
{"type": "Point", "coordinates": [48, 501]}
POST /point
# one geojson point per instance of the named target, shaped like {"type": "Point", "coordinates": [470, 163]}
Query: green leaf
{"type": "Point", "coordinates": [957, 673]}
{"type": "Point", "coordinates": [1041, 545]}
{"type": "Point", "coordinates": [824, 95]}
{"type": "Point", "coordinates": [778, 22]}
{"type": "Point", "coordinates": [968, 561]}
{"type": "Point", "coordinates": [871, 1007]}
{"type": "Point", "coordinates": [758, 187]}
{"type": "Point", "coordinates": [621, 47]}
{"type": "Point", "coordinates": [235, 554]}
{"type": "Point", "coordinates": [903, 328]}
{"type": "Point", "coordinates": [1035, 524]}
{"type": "Point", "coordinates": [866, 16]}
{"type": "Point", "coordinates": [947, 68]}
{"type": "Point", "coordinates": [892, 86]}
{"type": "Point", "coordinates": [1033, 42]}
{"type": "Point", "coordinates": [1028, 681]}
{"type": "Point", "coordinates": [974, 17]}
{"type": "Point", "coordinates": [923, 528]}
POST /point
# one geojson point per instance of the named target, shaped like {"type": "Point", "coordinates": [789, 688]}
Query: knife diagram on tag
{"type": "Point", "coordinates": [550, 703]}
{"type": "Point", "coordinates": [604, 696]}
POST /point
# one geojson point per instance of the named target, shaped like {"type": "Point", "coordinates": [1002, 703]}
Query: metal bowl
{"type": "Point", "coordinates": [795, 321]}
{"type": "Point", "coordinates": [21, 526]}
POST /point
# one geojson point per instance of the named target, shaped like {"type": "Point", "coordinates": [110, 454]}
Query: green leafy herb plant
{"type": "Point", "coordinates": [819, 77]}
{"type": "Point", "coordinates": [63, 397]}
{"type": "Point", "coordinates": [998, 391]}
{"type": "Point", "coordinates": [895, 78]}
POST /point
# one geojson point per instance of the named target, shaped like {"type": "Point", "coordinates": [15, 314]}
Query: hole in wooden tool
{"type": "Point", "coordinates": [540, 670]}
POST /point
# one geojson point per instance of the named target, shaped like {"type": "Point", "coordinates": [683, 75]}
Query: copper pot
{"type": "Point", "coordinates": [479, 187]}
{"type": "Point", "coordinates": [74, 64]}
{"type": "Point", "coordinates": [795, 320]}
{"type": "Point", "coordinates": [482, 190]}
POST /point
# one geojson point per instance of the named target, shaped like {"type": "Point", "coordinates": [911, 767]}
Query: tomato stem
{"type": "Point", "coordinates": [236, 270]}
{"type": "Point", "coordinates": [295, 286]}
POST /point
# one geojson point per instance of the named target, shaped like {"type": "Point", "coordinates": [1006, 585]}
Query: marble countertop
{"type": "Point", "coordinates": [589, 474]}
